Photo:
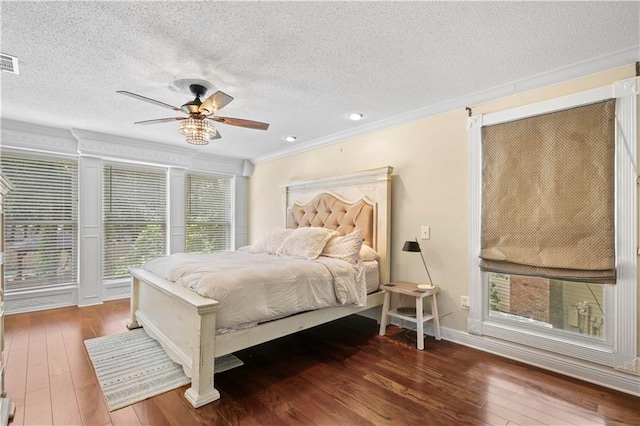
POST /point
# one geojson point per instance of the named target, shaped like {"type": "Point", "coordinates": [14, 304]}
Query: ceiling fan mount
{"type": "Point", "coordinates": [198, 90]}
{"type": "Point", "coordinates": [192, 107]}
{"type": "Point", "coordinates": [200, 115]}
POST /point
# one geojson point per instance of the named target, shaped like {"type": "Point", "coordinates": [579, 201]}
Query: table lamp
{"type": "Point", "coordinates": [413, 246]}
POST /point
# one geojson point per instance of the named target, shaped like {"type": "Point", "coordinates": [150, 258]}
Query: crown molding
{"type": "Point", "coordinates": [216, 164]}
{"type": "Point", "coordinates": [110, 146]}
{"type": "Point", "coordinates": [36, 137]}
{"type": "Point", "coordinates": [559, 75]}
{"type": "Point", "coordinates": [24, 136]}
{"type": "Point", "coordinates": [118, 147]}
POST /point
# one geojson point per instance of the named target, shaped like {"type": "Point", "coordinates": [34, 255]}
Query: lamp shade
{"type": "Point", "coordinates": [414, 247]}
{"type": "Point", "coordinates": [411, 246]}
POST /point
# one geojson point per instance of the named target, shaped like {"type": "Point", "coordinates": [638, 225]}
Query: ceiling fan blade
{"type": "Point", "coordinates": [153, 101]}
{"type": "Point", "coordinates": [214, 103]}
{"type": "Point", "coordinates": [160, 120]}
{"type": "Point", "coordinates": [240, 122]}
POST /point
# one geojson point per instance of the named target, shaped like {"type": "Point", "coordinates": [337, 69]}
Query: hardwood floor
{"type": "Point", "coordinates": [340, 373]}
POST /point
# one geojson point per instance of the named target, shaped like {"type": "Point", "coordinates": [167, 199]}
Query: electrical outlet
{"type": "Point", "coordinates": [464, 302]}
{"type": "Point", "coordinates": [425, 232]}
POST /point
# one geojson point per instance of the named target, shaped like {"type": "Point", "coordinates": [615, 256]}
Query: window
{"type": "Point", "coordinates": [41, 221]}
{"type": "Point", "coordinates": [573, 307]}
{"type": "Point", "coordinates": [581, 316]}
{"type": "Point", "coordinates": [134, 215]}
{"type": "Point", "coordinates": [208, 213]}
{"type": "Point", "coordinates": [548, 215]}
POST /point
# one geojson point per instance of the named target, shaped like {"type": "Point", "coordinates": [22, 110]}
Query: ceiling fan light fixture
{"type": "Point", "coordinates": [197, 132]}
{"type": "Point", "coordinates": [198, 127]}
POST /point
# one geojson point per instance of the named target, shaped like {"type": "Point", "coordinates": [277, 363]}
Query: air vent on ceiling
{"type": "Point", "coordinates": [9, 63]}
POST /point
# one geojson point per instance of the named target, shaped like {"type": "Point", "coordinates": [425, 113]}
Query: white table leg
{"type": "Point", "coordinates": [420, 323]}
{"type": "Point", "coordinates": [384, 318]}
{"type": "Point", "coordinates": [436, 319]}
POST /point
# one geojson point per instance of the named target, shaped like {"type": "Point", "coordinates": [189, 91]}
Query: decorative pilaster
{"type": "Point", "coordinates": [626, 296]}
{"type": "Point", "coordinates": [476, 298]}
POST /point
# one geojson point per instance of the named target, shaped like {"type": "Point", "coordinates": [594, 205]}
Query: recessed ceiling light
{"type": "Point", "coordinates": [290, 138]}
{"type": "Point", "coordinates": [355, 116]}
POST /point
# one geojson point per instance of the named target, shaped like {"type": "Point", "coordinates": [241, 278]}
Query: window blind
{"type": "Point", "coordinates": [548, 195]}
{"type": "Point", "coordinates": [134, 217]}
{"type": "Point", "coordinates": [41, 221]}
{"type": "Point", "coordinates": [208, 213]}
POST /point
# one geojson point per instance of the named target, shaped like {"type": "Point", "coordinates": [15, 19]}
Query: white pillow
{"type": "Point", "coordinates": [272, 241]}
{"type": "Point", "coordinates": [345, 248]}
{"type": "Point", "coordinates": [306, 243]}
{"type": "Point", "coordinates": [367, 253]}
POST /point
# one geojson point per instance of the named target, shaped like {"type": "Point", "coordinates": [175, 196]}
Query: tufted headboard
{"type": "Point", "coordinates": [345, 202]}
{"type": "Point", "coordinates": [329, 211]}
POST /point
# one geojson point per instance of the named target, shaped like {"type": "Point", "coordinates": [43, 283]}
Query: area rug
{"type": "Point", "coordinates": [132, 367]}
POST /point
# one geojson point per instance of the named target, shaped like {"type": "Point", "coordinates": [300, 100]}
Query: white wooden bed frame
{"type": "Point", "coordinates": [184, 322]}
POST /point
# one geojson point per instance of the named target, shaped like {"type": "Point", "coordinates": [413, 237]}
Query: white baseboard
{"type": "Point", "coordinates": [583, 370]}
{"type": "Point", "coordinates": [40, 299]}
{"type": "Point", "coordinates": [116, 290]}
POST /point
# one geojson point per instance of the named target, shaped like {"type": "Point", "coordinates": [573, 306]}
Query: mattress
{"type": "Point", "coordinates": [253, 288]}
{"type": "Point", "coordinates": [372, 275]}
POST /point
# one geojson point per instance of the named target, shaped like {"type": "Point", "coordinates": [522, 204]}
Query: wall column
{"type": "Point", "coordinates": [240, 200]}
{"type": "Point", "coordinates": [177, 229]}
{"type": "Point", "coordinates": [90, 231]}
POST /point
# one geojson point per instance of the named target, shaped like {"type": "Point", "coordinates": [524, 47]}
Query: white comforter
{"type": "Point", "coordinates": [253, 288]}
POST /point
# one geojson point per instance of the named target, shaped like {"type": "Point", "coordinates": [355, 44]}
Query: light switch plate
{"type": "Point", "coordinates": [464, 302]}
{"type": "Point", "coordinates": [425, 232]}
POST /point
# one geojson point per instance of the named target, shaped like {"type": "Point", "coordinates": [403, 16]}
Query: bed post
{"type": "Point", "coordinates": [383, 222]}
{"type": "Point", "coordinates": [202, 391]}
{"type": "Point", "coordinates": [133, 304]}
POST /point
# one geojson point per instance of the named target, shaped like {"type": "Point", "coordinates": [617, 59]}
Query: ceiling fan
{"type": "Point", "coordinates": [197, 125]}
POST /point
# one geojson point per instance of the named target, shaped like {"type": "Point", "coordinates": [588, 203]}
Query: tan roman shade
{"type": "Point", "coordinates": [548, 195]}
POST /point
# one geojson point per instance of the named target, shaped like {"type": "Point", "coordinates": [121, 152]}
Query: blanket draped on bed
{"type": "Point", "coordinates": [254, 288]}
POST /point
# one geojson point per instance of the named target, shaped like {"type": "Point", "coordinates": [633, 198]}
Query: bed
{"type": "Point", "coordinates": [184, 322]}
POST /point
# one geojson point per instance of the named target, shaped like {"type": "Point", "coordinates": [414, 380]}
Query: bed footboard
{"type": "Point", "coordinates": [184, 323]}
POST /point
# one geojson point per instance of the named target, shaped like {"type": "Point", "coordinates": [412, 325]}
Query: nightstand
{"type": "Point", "coordinates": [411, 289]}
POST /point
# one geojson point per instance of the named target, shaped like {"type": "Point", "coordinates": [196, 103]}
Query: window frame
{"type": "Point", "coordinates": [619, 347]}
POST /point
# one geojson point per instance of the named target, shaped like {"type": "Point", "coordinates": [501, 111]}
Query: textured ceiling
{"type": "Point", "coordinates": [300, 66]}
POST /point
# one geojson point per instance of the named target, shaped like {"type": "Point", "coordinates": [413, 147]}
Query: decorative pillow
{"type": "Point", "coordinates": [367, 253]}
{"type": "Point", "coordinates": [345, 248]}
{"type": "Point", "coordinates": [272, 241]}
{"type": "Point", "coordinates": [306, 243]}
